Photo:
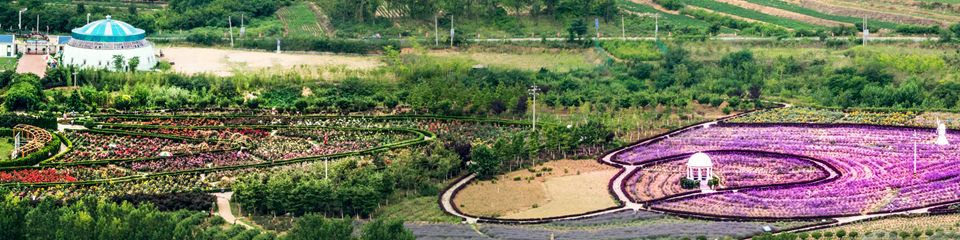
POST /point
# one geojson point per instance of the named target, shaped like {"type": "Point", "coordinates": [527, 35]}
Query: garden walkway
{"type": "Point", "coordinates": [223, 205]}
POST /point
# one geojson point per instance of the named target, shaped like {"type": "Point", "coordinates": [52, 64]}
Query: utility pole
{"type": "Point", "coordinates": [451, 31]}
{"type": "Point", "coordinates": [866, 32]}
{"type": "Point", "coordinates": [230, 21]}
{"type": "Point", "coordinates": [623, 28]}
{"type": "Point", "coordinates": [436, 31]}
{"type": "Point", "coordinates": [533, 91]}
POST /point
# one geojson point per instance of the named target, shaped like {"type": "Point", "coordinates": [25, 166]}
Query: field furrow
{"type": "Point", "coordinates": [763, 13]}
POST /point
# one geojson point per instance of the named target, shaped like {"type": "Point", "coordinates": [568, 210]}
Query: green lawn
{"type": "Point", "coordinates": [813, 13]}
{"type": "Point", "coordinates": [8, 66]}
{"type": "Point", "coordinates": [417, 209]}
{"type": "Point", "coordinates": [751, 14]}
{"type": "Point", "coordinates": [5, 148]}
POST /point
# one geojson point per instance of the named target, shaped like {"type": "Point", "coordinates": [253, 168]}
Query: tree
{"type": "Point", "coordinates": [828, 234]}
{"type": "Point", "coordinates": [578, 27]}
{"type": "Point", "coordinates": [118, 62]}
{"type": "Point", "coordinates": [484, 162]}
{"type": "Point", "coordinates": [803, 236]}
{"type": "Point", "coordinates": [315, 226]}
{"type": "Point", "coordinates": [391, 229]}
{"type": "Point", "coordinates": [817, 235]}
{"type": "Point", "coordinates": [854, 234]}
{"type": "Point", "coordinates": [841, 233]}
{"type": "Point", "coordinates": [497, 106]}
{"type": "Point", "coordinates": [134, 62]}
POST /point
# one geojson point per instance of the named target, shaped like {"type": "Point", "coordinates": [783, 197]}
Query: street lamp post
{"type": "Point", "coordinates": [88, 18]}
{"type": "Point", "coordinates": [20, 22]}
{"type": "Point", "coordinates": [533, 91]}
{"type": "Point", "coordinates": [74, 80]}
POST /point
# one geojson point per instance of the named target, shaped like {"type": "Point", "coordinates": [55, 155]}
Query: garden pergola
{"type": "Point", "coordinates": [700, 163]}
{"type": "Point", "coordinates": [37, 139]}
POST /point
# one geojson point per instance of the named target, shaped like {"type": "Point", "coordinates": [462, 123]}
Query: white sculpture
{"type": "Point", "coordinates": [942, 131]}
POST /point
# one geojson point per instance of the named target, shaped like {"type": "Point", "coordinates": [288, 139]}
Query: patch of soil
{"type": "Point", "coordinates": [562, 191]}
{"type": "Point", "coordinates": [833, 9]}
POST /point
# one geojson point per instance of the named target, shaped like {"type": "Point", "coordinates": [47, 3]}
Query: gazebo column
{"type": "Point", "coordinates": [699, 174]}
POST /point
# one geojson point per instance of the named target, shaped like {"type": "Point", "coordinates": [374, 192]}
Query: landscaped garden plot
{"type": "Point", "coordinates": [902, 223]}
{"type": "Point", "coordinates": [163, 184]}
{"type": "Point", "coordinates": [443, 231]}
{"type": "Point", "coordinates": [734, 169]}
{"type": "Point", "coordinates": [62, 174]}
{"type": "Point", "coordinates": [874, 163]}
{"type": "Point", "coordinates": [667, 18]}
{"type": "Point", "coordinates": [99, 146]}
{"type": "Point", "coordinates": [200, 160]}
{"type": "Point", "coordinates": [564, 187]}
{"type": "Point", "coordinates": [239, 134]}
{"type": "Point", "coordinates": [295, 143]}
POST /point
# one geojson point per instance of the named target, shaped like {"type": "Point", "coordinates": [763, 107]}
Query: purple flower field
{"type": "Point", "coordinates": [876, 167]}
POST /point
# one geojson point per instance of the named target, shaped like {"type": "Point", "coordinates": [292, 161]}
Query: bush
{"type": "Point", "coordinates": [517, 178]}
{"type": "Point", "coordinates": [10, 120]}
{"type": "Point", "coordinates": [217, 220]}
{"type": "Point", "coordinates": [727, 110]}
{"type": "Point", "coordinates": [828, 234]}
{"type": "Point", "coordinates": [204, 39]}
{"type": "Point", "coordinates": [701, 237]}
{"type": "Point", "coordinates": [816, 235]}
{"type": "Point", "coordinates": [841, 233]}
{"type": "Point", "coordinates": [671, 4]}
{"type": "Point", "coordinates": [170, 201]}
{"type": "Point", "coordinates": [689, 184]}
{"type": "Point", "coordinates": [929, 232]}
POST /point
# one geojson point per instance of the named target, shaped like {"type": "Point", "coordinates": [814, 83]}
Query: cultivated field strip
{"type": "Point", "coordinates": [763, 13]}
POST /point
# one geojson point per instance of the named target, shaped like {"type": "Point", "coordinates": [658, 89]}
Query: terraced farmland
{"type": "Point", "coordinates": [667, 18]}
{"type": "Point", "coordinates": [747, 13]}
{"type": "Point", "coordinates": [810, 12]}
{"type": "Point", "coordinates": [298, 20]}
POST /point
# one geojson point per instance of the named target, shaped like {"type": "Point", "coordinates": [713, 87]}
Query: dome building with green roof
{"type": "Point", "coordinates": [94, 45]}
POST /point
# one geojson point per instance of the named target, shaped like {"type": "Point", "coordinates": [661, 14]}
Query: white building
{"type": "Point", "coordinates": [94, 45]}
{"type": "Point", "coordinates": [8, 46]}
{"type": "Point", "coordinates": [700, 167]}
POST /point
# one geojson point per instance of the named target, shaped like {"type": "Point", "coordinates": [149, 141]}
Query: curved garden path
{"type": "Point", "coordinates": [223, 209]}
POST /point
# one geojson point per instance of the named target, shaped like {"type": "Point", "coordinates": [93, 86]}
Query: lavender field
{"type": "Point", "coordinates": [875, 167]}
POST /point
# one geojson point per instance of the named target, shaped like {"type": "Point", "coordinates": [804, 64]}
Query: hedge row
{"type": "Point", "coordinates": [9, 120]}
{"type": "Point", "coordinates": [170, 201]}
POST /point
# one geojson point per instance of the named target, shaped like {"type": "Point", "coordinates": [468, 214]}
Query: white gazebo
{"type": "Point", "coordinates": [942, 131]}
{"type": "Point", "coordinates": [701, 164]}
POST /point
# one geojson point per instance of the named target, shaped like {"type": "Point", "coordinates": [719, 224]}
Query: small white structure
{"type": "Point", "coordinates": [94, 45]}
{"type": "Point", "coordinates": [700, 163]}
{"type": "Point", "coordinates": [8, 46]}
{"type": "Point", "coordinates": [942, 131]}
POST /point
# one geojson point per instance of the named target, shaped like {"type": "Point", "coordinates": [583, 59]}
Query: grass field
{"type": "Point", "coordinates": [417, 209]}
{"type": "Point", "coordinates": [8, 66]}
{"type": "Point", "coordinates": [5, 148]}
{"type": "Point", "coordinates": [666, 18]}
{"type": "Point", "coordinates": [298, 20]}
{"type": "Point", "coordinates": [810, 12]}
{"type": "Point", "coordinates": [751, 14]}
{"type": "Point", "coordinates": [562, 61]}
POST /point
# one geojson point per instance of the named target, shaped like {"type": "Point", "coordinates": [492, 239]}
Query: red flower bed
{"type": "Point", "coordinates": [35, 176]}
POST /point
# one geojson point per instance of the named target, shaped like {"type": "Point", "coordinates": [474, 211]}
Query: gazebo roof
{"type": "Point", "coordinates": [700, 160]}
{"type": "Point", "coordinates": [108, 30]}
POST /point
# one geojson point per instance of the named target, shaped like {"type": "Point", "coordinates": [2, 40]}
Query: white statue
{"type": "Point", "coordinates": [942, 131]}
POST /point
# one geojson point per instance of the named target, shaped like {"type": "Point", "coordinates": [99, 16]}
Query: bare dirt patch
{"type": "Point", "coordinates": [556, 194]}
{"type": "Point", "coordinates": [652, 4]}
{"type": "Point", "coordinates": [784, 14]}
{"type": "Point", "coordinates": [834, 9]}
{"type": "Point", "coordinates": [725, 14]}
{"type": "Point", "coordinates": [224, 62]}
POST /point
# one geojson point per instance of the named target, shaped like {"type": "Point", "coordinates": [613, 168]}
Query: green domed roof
{"type": "Point", "coordinates": [108, 30]}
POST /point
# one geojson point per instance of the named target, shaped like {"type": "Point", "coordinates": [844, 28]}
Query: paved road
{"type": "Point", "coordinates": [223, 209]}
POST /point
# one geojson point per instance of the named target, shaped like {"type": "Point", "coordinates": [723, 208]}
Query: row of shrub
{"type": "Point", "coordinates": [171, 201]}
{"type": "Point", "coordinates": [297, 43]}
{"type": "Point", "coordinates": [912, 29]}
{"type": "Point", "coordinates": [9, 120]}
{"type": "Point", "coordinates": [764, 29]}
{"type": "Point", "coordinates": [632, 50]}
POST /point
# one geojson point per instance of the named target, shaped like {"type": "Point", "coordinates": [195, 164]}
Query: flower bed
{"type": "Point", "coordinates": [158, 185]}
{"type": "Point", "coordinates": [36, 176]}
{"type": "Point", "coordinates": [875, 166]}
{"type": "Point", "coordinates": [202, 160]}
{"type": "Point", "coordinates": [811, 115]}
{"type": "Point", "coordinates": [97, 146]}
